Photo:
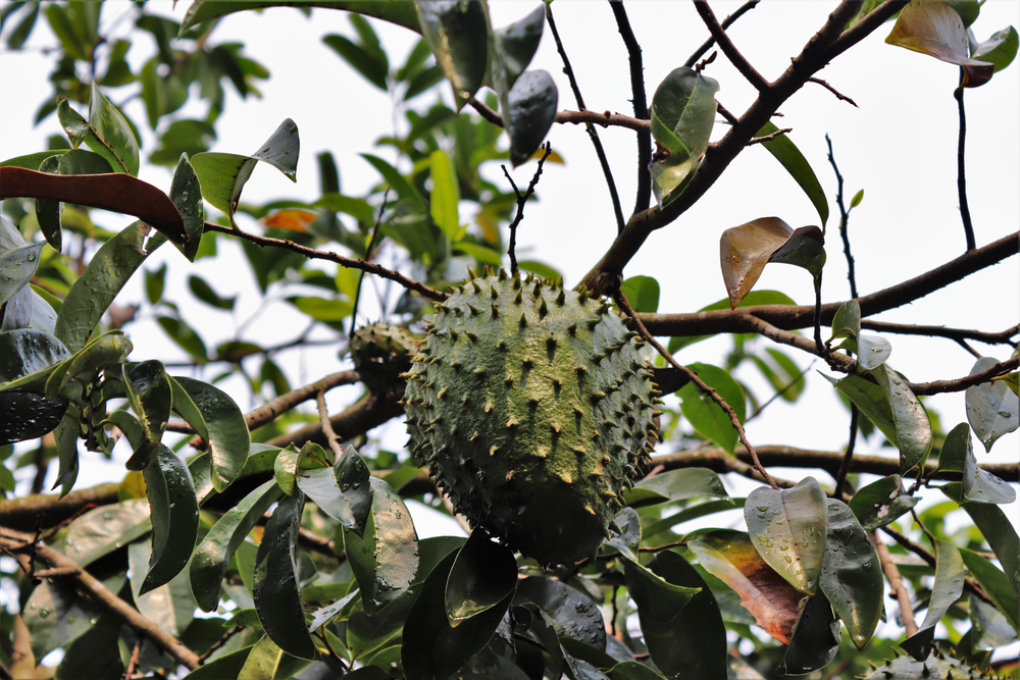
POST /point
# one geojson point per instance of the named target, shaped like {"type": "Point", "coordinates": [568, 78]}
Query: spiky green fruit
{"type": "Point", "coordinates": [937, 666]}
{"type": "Point", "coordinates": [381, 354]}
{"type": "Point", "coordinates": [531, 404]}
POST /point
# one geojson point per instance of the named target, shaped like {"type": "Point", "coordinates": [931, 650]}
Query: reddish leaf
{"type": "Point", "coordinates": [730, 556]}
{"type": "Point", "coordinates": [292, 219]}
{"type": "Point", "coordinates": [117, 192]}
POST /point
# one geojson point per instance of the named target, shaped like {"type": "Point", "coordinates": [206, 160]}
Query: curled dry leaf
{"type": "Point", "coordinates": [934, 28]}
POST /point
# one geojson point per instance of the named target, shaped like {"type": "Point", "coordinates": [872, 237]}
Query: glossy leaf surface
{"type": "Point", "coordinates": [570, 612]}
{"type": "Point", "coordinates": [788, 528]}
{"type": "Point", "coordinates": [706, 416]}
{"type": "Point", "coordinates": [947, 590]}
{"type": "Point", "coordinates": [815, 639]}
{"type": "Point", "coordinates": [483, 575]}
{"type": "Point", "coordinates": [992, 409]}
{"type": "Point", "coordinates": [683, 115]}
{"type": "Point", "coordinates": [100, 531]}
{"type": "Point", "coordinates": [170, 606]}
{"type": "Point", "coordinates": [913, 428]}
{"type": "Point", "coordinates": [228, 440]}
{"type": "Point", "coordinates": [995, 584]}
{"type": "Point", "coordinates": [458, 34]}
{"type": "Point", "coordinates": [174, 513]}
{"type": "Point", "coordinates": [676, 485]}
{"type": "Point", "coordinates": [789, 156]}
{"type": "Point", "coordinates": [881, 502]}
{"type": "Point", "coordinates": [530, 111]}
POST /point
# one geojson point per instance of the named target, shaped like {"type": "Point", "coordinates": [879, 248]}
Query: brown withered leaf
{"type": "Point", "coordinates": [934, 28]}
{"type": "Point", "coordinates": [730, 556]}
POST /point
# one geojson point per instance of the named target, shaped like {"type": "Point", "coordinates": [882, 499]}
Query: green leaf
{"type": "Point", "coordinates": [846, 322]}
{"type": "Point", "coordinates": [676, 485]}
{"type": "Point", "coordinates": [276, 591]}
{"type": "Point", "coordinates": [343, 492]}
{"type": "Point", "coordinates": [109, 349]}
{"type": "Point", "coordinates": [228, 666]}
{"type": "Point", "coordinates": [396, 181]}
{"type": "Point", "coordinates": [788, 530]}
{"type": "Point", "coordinates": [223, 175]}
{"type": "Point", "coordinates": [571, 613]}
{"type": "Point", "coordinates": [322, 309]}
{"type": "Point", "coordinates": [445, 194]}
{"type": "Point", "coordinates": [991, 629]}
{"type": "Point", "coordinates": [529, 111]}
{"type": "Point", "coordinates": [458, 35]}
{"type": "Point", "coordinates": [707, 417]}
{"type": "Point", "coordinates": [692, 644]}
{"type": "Point", "coordinates": [815, 639]}
{"type": "Point", "coordinates": [515, 45]}
{"type": "Point", "coordinates": [212, 556]}
{"type": "Point", "coordinates": [992, 409]}
{"type": "Point", "coordinates": [150, 397]}
{"type": "Point", "coordinates": [56, 615]}
{"type": "Point", "coordinates": [683, 115]}
{"type": "Point", "coordinates": [66, 436]}
{"type": "Point", "coordinates": [999, 50]}
{"type": "Point", "coordinates": [228, 438]}
{"type": "Point", "coordinates": [626, 535]}
{"type": "Point", "coordinates": [81, 162]}
{"type": "Point", "coordinates": [431, 647]}
{"type": "Point", "coordinates": [881, 502]}
{"type": "Point", "coordinates": [47, 211]}
{"type": "Point", "coordinates": [201, 289]}
{"type": "Point", "coordinates": [17, 267]}
{"type": "Point", "coordinates": [385, 557]}
{"type": "Point", "coordinates": [979, 485]}
{"type": "Point", "coordinates": [997, 530]}
{"type": "Point", "coordinates": [691, 513]}
{"type": "Point", "coordinates": [267, 662]}
{"type": "Point", "coordinates": [400, 13]}
{"type": "Point", "coordinates": [32, 161]}
{"type": "Point", "coordinates": [789, 156]}
{"type": "Point", "coordinates": [480, 253]}
{"type": "Point", "coordinates": [363, 61]}
{"type": "Point", "coordinates": [94, 291]}
{"type": "Point", "coordinates": [1012, 381]}
{"type": "Point", "coordinates": [753, 298]}
{"type": "Point", "coordinates": [170, 606]}
{"type": "Point", "coordinates": [186, 194]}
{"type": "Point", "coordinates": [913, 428]}
{"type": "Point", "coordinates": [185, 337]}
{"type": "Point", "coordinates": [805, 249]}
{"type": "Point", "coordinates": [358, 208]}
{"type": "Point", "coordinates": [851, 577]}
{"type": "Point", "coordinates": [102, 530]}
{"type": "Point", "coordinates": [995, 584]}
{"type": "Point", "coordinates": [110, 135]}
{"type": "Point", "coordinates": [947, 590]}
{"type": "Point", "coordinates": [483, 575]}
{"type": "Point", "coordinates": [642, 293]}
{"type": "Point", "coordinates": [174, 512]}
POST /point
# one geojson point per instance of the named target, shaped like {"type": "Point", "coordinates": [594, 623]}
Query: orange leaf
{"type": "Point", "coordinates": [292, 219]}
{"type": "Point", "coordinates": [116, 192]}
{"type": "Point", "coordinates": [730, 556]}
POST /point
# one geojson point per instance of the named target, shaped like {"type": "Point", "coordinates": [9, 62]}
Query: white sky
{"type": "Point", "coordinates": [899, 146]}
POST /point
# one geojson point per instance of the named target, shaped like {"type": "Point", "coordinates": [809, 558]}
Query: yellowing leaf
{"type": "Point", "coordinates": [746, 249]}
{"type": "Point", "coordinates": [292, 219]}
{"type": "Point", "coordinates": [934, 28]}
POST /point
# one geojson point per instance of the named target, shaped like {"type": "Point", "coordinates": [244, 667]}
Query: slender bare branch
{"type": "Point", "coordinates": [639, 100]}
{"type": "Point", "coordinates": [729, 49]}
{"type": "Point", "coordinates": [727, 22]}
{"type": "Point", "coordinates": [522, 199]}
{"type": "Point", "coordinates": [770, 136]}
{"type": "Point", "coordinates": [327, 427]}
{"type": "Point", "coordinates": [844, 221]}
{"type": "Point", "coordinates": [605, 118]}
{"type": "Point", "coordinates": [961, 171]}
{"type": "Point", "coordinates": [839, 95]}
{"type": "Point", "coordinates": [371, 411]}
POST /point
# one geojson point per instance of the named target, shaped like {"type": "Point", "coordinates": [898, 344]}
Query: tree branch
{"type": "Point", "coordinates": [371, 411]}
{"type": "Point", "coordinates": [961, 172]}
{"type": "Point", "coordinates": [729, 49]}
{"type": "Point", "coordinates": [892, 574]}
{"type": "Point", "coordinates": [18, 542]}
{"type": "Point", "coordinates": [329, 256]}
{"type": "Point", "coordinates": [727, 22]}
{"type": "Point", "coordinates": [605, 119]}
{"type": "Point", "coordinates": [640, 102]}
{"type": "Point", "coordinates": [521, 200]}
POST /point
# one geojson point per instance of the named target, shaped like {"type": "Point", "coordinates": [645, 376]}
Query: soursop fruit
{"type": "Point", "coordinates": [937, 666]}
{"type": "Point", "coordinates": [381, 354]}
{"type": "Point", "coordinates": [532, 405]}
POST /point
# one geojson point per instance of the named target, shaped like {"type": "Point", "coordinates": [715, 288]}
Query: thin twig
{"type": "Point", "coordinates": [637, 87]}
{"type": "Point", "coordinates": [621, 300]}
{"type": "Point", "coordinates": [521, 200]}
{"type": "Point", "coordinates": [844, 219]}
{"type": "Point", "coordinates": [368, 256]}
{"type": "Point", "coordinates": [606, 118]}
{"type": "Point", "coordinates": [839, 95]}
{"type": "Point", "coordinates": [329, 256]}
{"type": "Point", "coordinates": [596, 142]}
{"type": "Point", "coordinates": [108, 600]}
{"type": "Point", "coordinates": [327, 427]}
{"type": "Point", "coordinates": [727, 22]}
{"type": "Point", "coordinates": [844, 467]}
{"type": "Point", "coordinates": [133, 663]}
{"type": "Point", "coordinates": [224, 639]}
{"type": "Point", "coordinates": [769, 137]}
{"type": "Point", "coordinates": [892, 574]}
{"type": "Point", "coordinates": [961, 173]}
{"type": "Point", "coordinates": [973, 352]}
{"type": "Point", "coordinates": [729, 49]}
{"type": "Point", "coordinates": [969, 582]}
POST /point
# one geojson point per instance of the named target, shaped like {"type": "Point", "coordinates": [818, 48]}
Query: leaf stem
{"type": "Point", "coordinates": [961, 172]}
{"type": "Point", "coordinates": [844, 220]}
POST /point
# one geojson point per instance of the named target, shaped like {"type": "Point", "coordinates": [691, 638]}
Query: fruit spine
{"type": "Point", "coordinates": [937, 666]}
{"type": "Point", "coordinates": [531, 404]}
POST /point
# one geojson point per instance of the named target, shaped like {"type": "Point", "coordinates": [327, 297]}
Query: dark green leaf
{"type": "Point", "coordinates": [363, 61]}
{"type": "Point", "coordinates": [396, 181]}
{"type": "Point", "coordinates": [155, 281]}
{"type": "Point", "coordinates": [995, 584]}
{"type": "Point", "coordinates": [170, 606]}
{"type": "Point", "coordinates": [276, 591]}
{"type": "Point", "coordinates": [108, 349]}
{"type": "Point", "coordinates": [997, 530]}
{"type": "Point", "coordinates": [228, 440]}
{"type": "Point", "coordinates": [17, 267]}
{"type": "Point", "coordinates": [56, 615]}
{"type": "Point", "coordinates": [32, 161]}
{"type": "Point", "coordinates": [707, 417]}
{"type": "Point", "coordinates": [788, 530]}
{"type": "Point", "coordinates": [991, 629]}
{"type": "Point", "coordinates": [881, 502]}
{"type": "Point", "coordinates": [626, 535]}
{"type": "Point", "coordinates": [786, 152]}
{"type": "Point", "coordinates": [999, 50]}
{"type": "Point", "coordinates": [458, 34]}
{"type": "Point", "coordinates": [185, 337]}
{"type": "Point", "coordinates": [676, 485]}
{"type": "Point", "coordinates": [815, 639]}
{"type": "Point", "coordinates": [174, 512]}
{"type": "Point", "coordinates": [94, 291]}
{"type": "Point", "coordinates": [851, 575]}
{"type": "Point", "coordinates": [483, 575]}
{"type": "Point", "coordinates": [947, 590]}
{"type": "Point", "coordinates": [913, 428]}
{"type": "Point", "coordinates": [110, 135]}
{"type": "Point", "coordinates": [529, 109]}
{"type": "Point", "coordinates": [570, 612]}
{"type": "Point", "coordinates": [204, 292]}
{"type": "Point", "coordinates": [102, 530]}
{"type": "Point", "coordinates": [343, 492]}
{"type": "Point", "coordinates": [399, 13]}
{"type": "Point", "coordinates": [150, 397]}
{"type": "Point", "coordinates": [385, 557]}
{"type": "Point", "coordinates": [805, 248]}
{"type": "Point", "coordinates": [186, 194]}
{"type": "Point", "coordinates": [515, 45]}
{"type": "Point", "coordinates": [683, 115]}
{"type": "Point", "coordinates": [659, 601]}
{"type": "Point", "coordinates": [213, 554]}
{"type": "Point", "coordinates": [992, 409]}
{"type": "Point", "coordinates": [432, 649]}
{"type": "Point", "coordinates": [642, 293]}
{"type": "Point", "coordinates": [846, 323]}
